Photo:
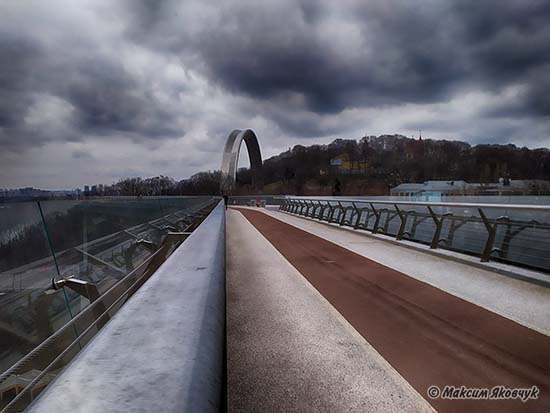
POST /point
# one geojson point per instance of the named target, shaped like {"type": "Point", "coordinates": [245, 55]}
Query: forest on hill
{"type": "Point", "coordinates": [370, 166]}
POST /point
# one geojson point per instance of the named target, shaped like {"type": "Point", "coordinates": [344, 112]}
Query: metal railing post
{"type": "Point", "coordinates": [324, 207]}
{"type": "Point", "coordinates": [342, 213]}
{"type": "Point", "coordinates": [312, 210]}
{"type": "Point", "coordinates": [403, 218]}
{"type": "Point", "coordinates": [491, 229]}
{"type": "Point", "coordinates": [359, 212]}
{"type": "Point", "coordinates": [319, 206]}
{"type": "Point", "coordinates": [321, 210]}
{"type": "Point", "coordinates": [86, 290]}
{"type": "Point", "coordinates": [438, 225]}
{"type": "Point", "coordinates": [377, 220]}
{"type": "Point", "coordinates": [305, 208]}
{"type": "Point", "coordinates": [332, 212]}
{"type": "Point", "coordinates": [299, 207]}
{"type": "Point", "coordinates": [330, 215]}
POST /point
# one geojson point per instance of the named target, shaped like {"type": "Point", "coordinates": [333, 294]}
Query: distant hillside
{"type": "Point", "coordinates": [373, 164]}
{"type": "Point", "coordinates": [370, 166]}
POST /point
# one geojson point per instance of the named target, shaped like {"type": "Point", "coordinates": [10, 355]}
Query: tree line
{"type": "Point", "coordinates": [385, 161]}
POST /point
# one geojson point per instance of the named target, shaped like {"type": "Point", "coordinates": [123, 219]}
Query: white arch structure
{"type": "Point", "coordinates": [231, 158]}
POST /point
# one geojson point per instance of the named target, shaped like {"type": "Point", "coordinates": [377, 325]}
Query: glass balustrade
{"type": "Point", "coordinates": [59, 257]}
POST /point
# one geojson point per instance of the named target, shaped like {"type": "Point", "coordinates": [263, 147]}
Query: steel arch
{"type": "Point", "coordinates": [231, 158]}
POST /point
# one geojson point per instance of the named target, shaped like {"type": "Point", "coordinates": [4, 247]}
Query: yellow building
{"type": "Point", "coordinates": [345, 165]}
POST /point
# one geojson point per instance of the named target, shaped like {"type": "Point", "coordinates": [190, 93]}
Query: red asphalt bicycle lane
{"type": "Point", "coordinates": [429, 336]}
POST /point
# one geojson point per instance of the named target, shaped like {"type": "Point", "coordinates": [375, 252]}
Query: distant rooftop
{"type": "Point", "coordinates": [433, 185]}
{"type": "Point", "coordinates": [460, 186]}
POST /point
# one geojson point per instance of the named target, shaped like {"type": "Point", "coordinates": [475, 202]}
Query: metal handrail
{"type": "Point", "coordinates": [76, 318]}
{"type": "Point", "coordinates": [543, 208]}
{"type": "Point", "coordinates": [95, 323]}
{"type": "Point", "coordinates": [493, 235]}
{"type": "Point", "coordinates": [96, 309]}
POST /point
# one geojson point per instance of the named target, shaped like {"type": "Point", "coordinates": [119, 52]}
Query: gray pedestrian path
{"type": "Point", "coordinates": [289, 349]}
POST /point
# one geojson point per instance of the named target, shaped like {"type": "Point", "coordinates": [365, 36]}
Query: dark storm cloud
{"type": "Point", "coordinates": [325, 57]}
{"type": "Point", "coordinates": [508, 37]}
{"type": "Point", "coordinates": [18, 55]}
{"type": "Point", "coordinates": [17, 59]}
{"type": "Point", "coordinates": [109, 99]}
{"type": "Point", "coordinates": [509, 42]}
{"type": "Point", "coordinates": [96, 93]}
{"type": "Point", "coordinates": [267, 52]}
{"type": "Point", "coordinates": [82, 155]}
{"type": "Point", "coordinates": [409, 51]}
{"type": "Point", "coordinates": [538, 96]}
{"type": "Point", "coordinates": [149, 70]}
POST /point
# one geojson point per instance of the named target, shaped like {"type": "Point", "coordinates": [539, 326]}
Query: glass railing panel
{"type": "Point", "coordinates": [523, 237]}
{"type": "Point", "coordinates": [171, 205]}
{"type": "Point", "coordinates": [148, 231]}
{"type": "Point", "coordinates": [110, 245]}
{"type": "Point", "coordinates": [30, 310]}
{"type": "Point", "coordinates": [109, 297]}
{"type": "Point", "coordinates": [99, 241]}
{"type": "Point", "coordinates": [174, 207]}
{"type": "Point", "coordinates": [73, 223]}
{"type": "Point", "coordinates": [462, 230]}
{"type": "Point", "coordinates": [419, 226]}
{"type": "Point", "coordinates": [390, 222]}
{"type": "Point", "coordinates": [22, 236]}
{"type": "Point", "coordinates": [368, 219]}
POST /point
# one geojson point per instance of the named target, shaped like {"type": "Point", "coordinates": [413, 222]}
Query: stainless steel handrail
{"type": "Point", "coordinates": [544, 208]}
{"type": "Point", "coordinates": [493, 235]}
{"type": "Point", "coordinates": [14, 368]}
{"type": "Point", "coordinates": [175, 285]}
{"type": "Point", "coordinates": [141, 273]}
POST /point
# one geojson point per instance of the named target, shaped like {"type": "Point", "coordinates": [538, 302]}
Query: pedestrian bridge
{"type": "Point", "coordinates": [307, 305]}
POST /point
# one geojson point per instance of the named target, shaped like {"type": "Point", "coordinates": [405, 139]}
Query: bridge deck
{"type": "Point", "coordinates": [288, 349]}
{"type": "Point", "coordinates": [436, 321]}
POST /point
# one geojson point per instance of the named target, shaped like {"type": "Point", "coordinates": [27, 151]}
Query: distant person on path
{"type": "Point", "coordinates": [225, 200]}
{"type": "Point", "coordinates": [336, 190]}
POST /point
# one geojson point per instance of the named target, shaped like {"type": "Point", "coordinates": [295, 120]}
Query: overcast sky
{"type": "Point", "coordinates": [91, 91]}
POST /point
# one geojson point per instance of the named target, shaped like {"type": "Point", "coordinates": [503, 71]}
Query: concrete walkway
{"type": "Point", "coordinates": [288, 349]}
{"type": "Point", "coordinates": [430, 336]}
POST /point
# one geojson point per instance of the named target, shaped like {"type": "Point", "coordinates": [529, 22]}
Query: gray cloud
{"type": "Point", "coordinates": [398, 51]}
{"type": "Point", "coordinates": [82, 154]}
{"type": "Point", "coordinates": [96, 93]}
{"type": "Point", "coordinates": [109, 99]}
{"type": "Point", "coordinates": [153, 73]}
